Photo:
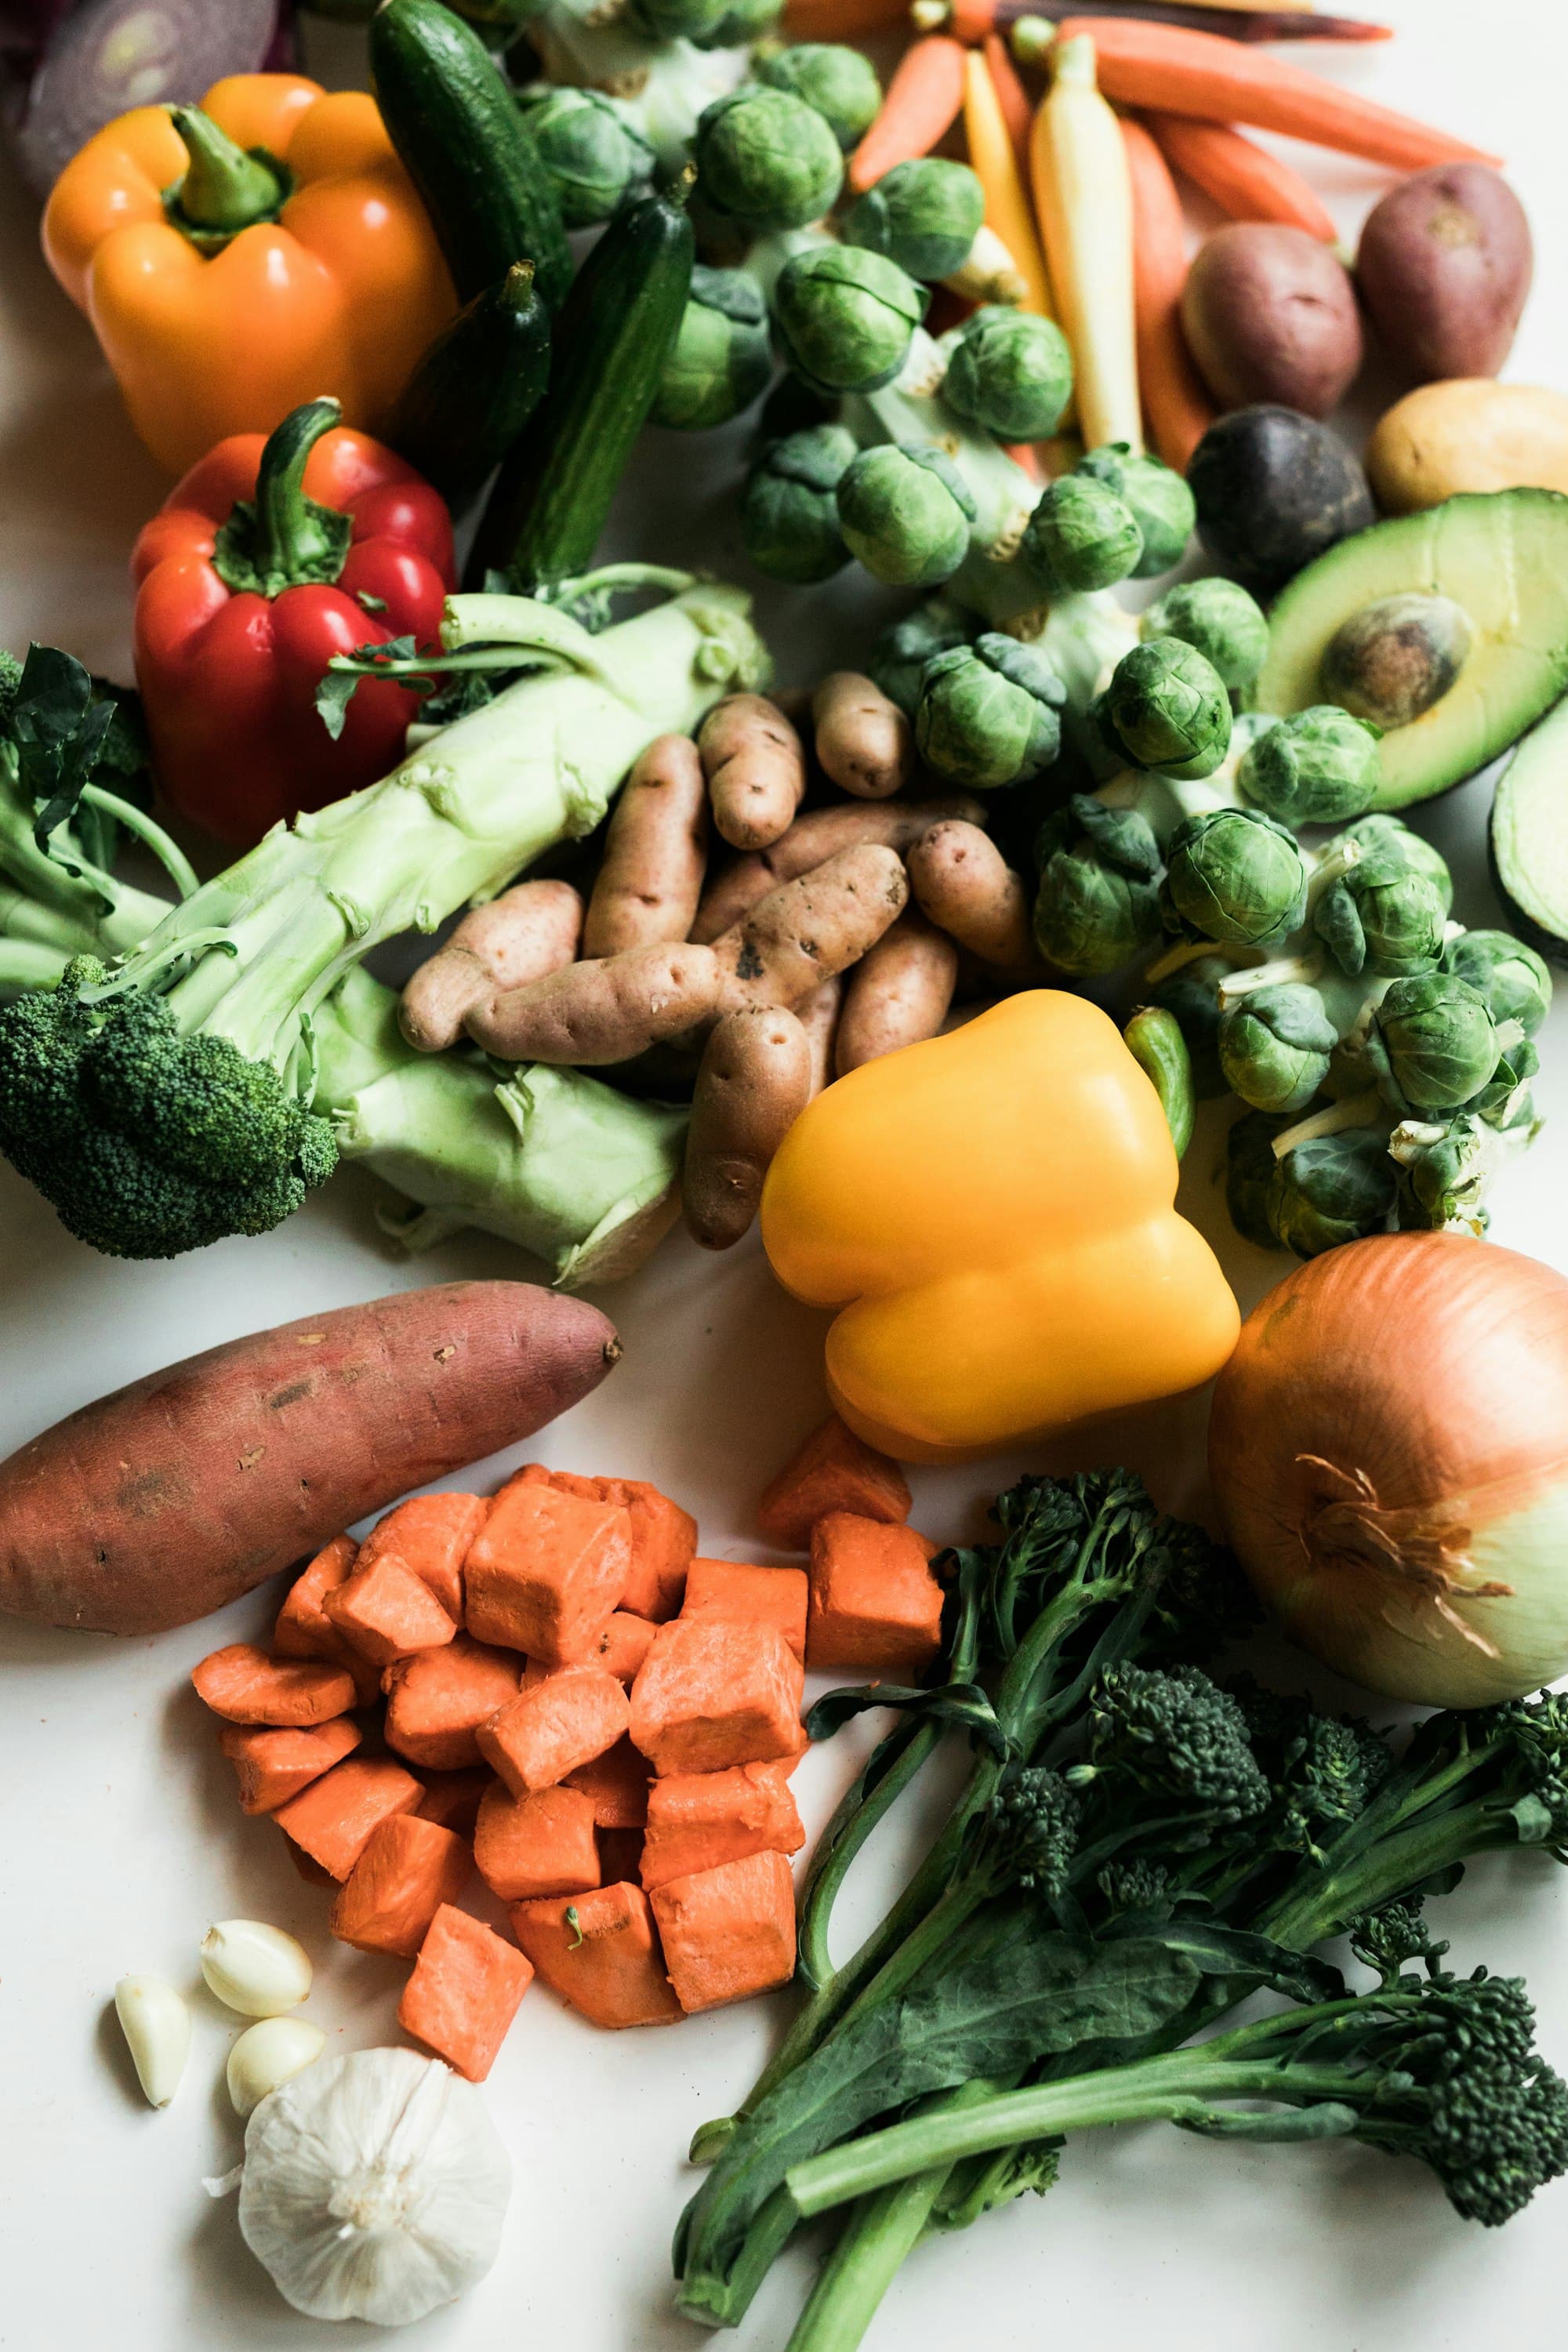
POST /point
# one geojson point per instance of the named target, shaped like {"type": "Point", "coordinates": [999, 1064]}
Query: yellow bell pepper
{"type": "Point", "coordinates": [991, 1214]}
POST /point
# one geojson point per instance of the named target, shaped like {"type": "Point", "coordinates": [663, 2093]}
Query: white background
{"type": "Point", "coordinates": [120, 1838]}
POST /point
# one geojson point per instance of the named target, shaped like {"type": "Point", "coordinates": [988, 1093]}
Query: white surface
{"type": "Point", "coordinates": [120, 1837]}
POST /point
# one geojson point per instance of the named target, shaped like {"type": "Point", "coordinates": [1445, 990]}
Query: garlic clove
{"type": "Point", "coordinates": [268, 2053]}
{"type": "Point", "coordinates": [157, 2029]}
{"type": "Point", "coordinates": [255, 1968]}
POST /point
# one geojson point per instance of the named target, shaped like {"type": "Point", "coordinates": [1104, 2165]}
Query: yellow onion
{"type": "Point", "coordinates": [1389, 1452]}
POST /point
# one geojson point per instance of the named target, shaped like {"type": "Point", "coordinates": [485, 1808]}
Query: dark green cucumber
{"type": "Point", "coordinates": [615, 332]}
{"type": "Point", "coordinates": [476, 388]}
{"type": "Point", "coordinates": [456, 127]}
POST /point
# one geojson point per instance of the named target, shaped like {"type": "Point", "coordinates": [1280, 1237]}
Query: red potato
{"type": "Point", "coordinates": [755, 768]}
{"type": "Point", "coordinates": [519, 937]}
{"type": "Point", "coordinates": [654, 853]}
{"type": "Point", "coordinates": [173, 1496]}
{"type": "Point", "coordinates": [897, 994]}
{"type": "Point", "coordinates": [864, 743]}
{"type": "Point", "coordinates": [1269, 314]}
{"type": "Point", "coordinates": [1444, 267]}
{"type": "Point", "coordinates": [810, 842]}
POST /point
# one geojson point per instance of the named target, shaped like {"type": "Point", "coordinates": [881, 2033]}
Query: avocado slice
{"type": "Point", "coordinates": [1502, 559]}
{"type": "Point", "coordinates": [1530, 838]}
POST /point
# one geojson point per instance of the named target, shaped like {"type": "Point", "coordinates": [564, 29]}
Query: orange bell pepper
{"type": "Point", "coordinates": [239, 259]}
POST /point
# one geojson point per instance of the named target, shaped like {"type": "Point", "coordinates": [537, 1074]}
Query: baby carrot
{"type": "Point", "coordinates": [1243, 179]}
{"type": "Point", "coordinates": [922, 103]}
{"type": "Point", "coordinates": [1177, 406]}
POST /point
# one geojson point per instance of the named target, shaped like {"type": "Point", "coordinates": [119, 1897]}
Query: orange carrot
{"type": "Point", "coordinates": [922, 105]}
{"type": "Point", "coordinates": [600, 1953]}
{"type": "Point", "coordinates": [1243, 179]}
{"type": "Point", "coordinates": [832, 1471]}
{"type": "Point", "coordinates": [335, 1817]}
{"type": "Point", "coordinates": [408, 1869]}
{"type": "Point", "coordinates": [464, 1992]}
{"type": "Point", "coordinates": [1179, 72]}
{"type": "Point", "coordinates": [1011, 97]}
{"type": "Point", "coordinates": [1176, 403]}
{"type": "Point", "coordinates": [726, 1933]}
{"type": "Point", "coordinates": [387, 1612]}
{"type": "Point", "coordinates": [992, 155]}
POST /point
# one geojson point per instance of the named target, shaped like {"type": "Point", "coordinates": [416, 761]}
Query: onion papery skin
{"type": "Point", "coordinates": [1389, 1440]}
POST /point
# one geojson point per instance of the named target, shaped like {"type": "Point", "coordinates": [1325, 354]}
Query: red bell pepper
{"type": "Point", "coordinates": [265, 560]}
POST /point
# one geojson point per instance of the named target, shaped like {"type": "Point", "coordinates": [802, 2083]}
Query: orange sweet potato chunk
{"type": "Point", "coordinates": [243, 1684]}
{"type": "Point", "coordinates": [618, 1783]}
{"type": "Point", "coordinates": [436, 1702]}
{"type": "Point", "coordinates": [728, 1932]}
{"type": "Point", "coordinates": [697, 1821]}
{"type": "Point", "coordinates": [543, 1844]}
{"type": "Point", "coordinates": [432, 1534]}
{"type": "Point", "coordinates": [712, 1694]}
{"type": "Point", "coordinates": [464, 1992]}
{"type": "Point", "coordinates": [876, 1608]}
{"type": "Point", "coordinates": [545, 1570]}
{"type": "Point", "coordinates": [333, 1818]}
{"type": "Point", "coordinates": [303, 1629]}
{"type": "Point", "coordinates": [407, 1871]}
{"type": "Point", "coordinates": [834, 1471]}
{"type": "Point", "coordinates": [275, 1765]}
{"type": "Point", "coordinates": [545, 1733]}
{"type": "Point", "coordinates": [623, 1643]}
{"type": "Point", "coordinates": [453, 1798]}
{"type": "Point", "coordinates": [748, 1595]}
{"type": "Point", "coordinates": [600, 1952]}
{"type": "Point", "coordinates": [663, 1535]}
{"type": "Point", "coordinates": [387, 1612]}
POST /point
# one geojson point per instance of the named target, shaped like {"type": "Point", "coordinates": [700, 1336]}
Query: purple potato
{"type": "Point", "coordinates": [1270, 315]}
{"type": "Point", "coordinates": [1445, 267]}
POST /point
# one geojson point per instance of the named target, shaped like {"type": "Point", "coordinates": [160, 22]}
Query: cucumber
{"type": "Point", "coordinates": [458, 133]}
{"type": "Point", "coordinates": [476, 388]}
{"type": "Point", "coordinates": [614, 333]}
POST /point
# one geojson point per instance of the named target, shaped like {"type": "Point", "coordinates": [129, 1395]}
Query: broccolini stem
{"type": "Point", "coordinates": [908, 1747]}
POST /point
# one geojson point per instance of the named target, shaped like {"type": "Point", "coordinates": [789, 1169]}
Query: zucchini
{"type": "Point", "coordinates": [476, 388]}
{"type": "Point", "coordinates": [459, 134]}
{"type": "Point", "coordinates": [614, 333]}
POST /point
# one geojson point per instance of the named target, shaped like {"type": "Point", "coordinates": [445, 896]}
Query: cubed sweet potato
{"type": "Point", "coordinates": [332, 1818]}
{"type": "Point", "coordinates": [712, 1694]}
{"type": "Point", "coordinates": [623, 1645]}
{"type": "Point", "coordinates": [834, 1471]}
{"type": "Point", "coordinates": [620, 1855]}
{"type": "Point", "coordinates": [618, 1783]}
{"type": "Point", "coordinates": [243, 1684]}
{"type": "Point", "coordinates": [697, 1821]}
{"type": "Point", "coordinates": [273, 1766]}
{"type": "Point", "coordinates": [541, 1844]}
{"type": "Point", "coordinates": [876, 1608]}
{"type": "Point", "coordinates": [387, 1612]}
{"type": "Point", "coordinates": [748, 1595]}
{"type": "Point", "coordinates": [303, 1629]}
{"type": "Point", "coordinates": [436, 1702]}
{"type": "Point", "coordinates": [545, 1570]}
{"type": "Point", "coordinates": [600, 1952]}
{"type": "Point", "coordinates": [664, 1536]}
{"type": "Point", "coordinates": [543, 1733]}
{"type": "Point", "coordinates": [726, 1933]}
{"type": "Point", "coordinates": [464, 1992]}
{"type": "Point", "coordinates": [407, 1869]}
{"type": "Point", "coordinates": [431, 1533]}
{"type": "Point", "coordinates": [453, 1798]}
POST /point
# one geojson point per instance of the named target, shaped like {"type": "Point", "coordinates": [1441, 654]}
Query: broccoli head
{"type": "Point", "coordinates": [1178, 1738]}
{"type": "Point", "coordinates": [1036, 1818]}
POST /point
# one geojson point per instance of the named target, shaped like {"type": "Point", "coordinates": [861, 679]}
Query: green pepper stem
{"type": "Point", "coordinates": [223, 189]}
{"type": "Point", "coordinates": [290, 537]}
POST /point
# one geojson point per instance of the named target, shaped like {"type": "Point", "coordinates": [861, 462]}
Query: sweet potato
{"type": "Point", "coordinates": [726, 1933]}
{"type": "Point", "coordinates": [876, 1608]}
{"type": "Point", "coordinates": [303, 1629]}
{"type": "Point", "coordinates": [863, 743]}
{"type": "Point", "coordinates": [695, 1821]}
{"type": "Point", "coordinates": [811, 840]}
{"type": "Point", "coordinates": [545, 1571]}
{"type": "Point", "coordinates": [387, 1612]}
{"type": "Point", "coordinates": [453, 1798]}
{"type": "Point", "coordinates": [464, 1992]}
{"type": "Point", "coordinates": [334, 1819]}
{"type": "Point", "coordinates": [177, 1494]}
{"type": "Point", "coordinates": [898, 994]}
{"type": "Point", "coordinates": [519, 937]}
{"type": "Point", "coordinates": [593, 1013]}
{"type": "Point", "coordinates": [432, 1534]}
{"type": "Point", "coordinates": [656, 849]}
{"type": "Point", "coordinates": [275, 1765]}
{"type": "Point", "coordinates": [407, 1869]}
{"type": "Point", "coordinates": [664, 1536]}
{"type": "Point", "coordinates": [601, 1954]}
{"type": "Point", "coordinates": [742, 1593]}
{"type": "Point", "coordinates": [963, 882]}
{"type": "Point", "coordinates": [615, 1784]}
{"type": "Point", "coordinates": [243, 1684]}
{"type": "Point", "coordinates": [755, 769]}
{"type": "Point", "coordinates": [623, 1645]}
{"type": "Point", "coordinates": [540, 1844]}
{"type": "Point", "coordinates": [712, 1694]}
{"type": "Point", "coordinates": [437, 1701]}
{"type": "Point", "coordinates": [753, 1082]}
{"type": "Point", "coordinates": [832, 1471]}
{"type": "Point", "coordinates": [806, 931]}
{"type": "Point", "coordinates": [545, 1733]}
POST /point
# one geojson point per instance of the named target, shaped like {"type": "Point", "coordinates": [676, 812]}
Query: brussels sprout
{"type": "Point", "coordinates": [986, 713]}
{"type": "Point", "coordinates": [1099, 900]}
{"type": "Point", "coordinates": [1389, 837]}
{"type": "Point", "coordinates": [905, 510]}
{"type": "Point", "coordinates": [1079, 536]}
{"type": "Point", "coordinates": [1336, 1189]}
{"type": "Point", "coordinates": [839, 83]}
{"type": "Point", "coordinates": [1275, 1045]}
{"type": "Point", "coordinates": [1317, 767]}
{"type": "Point", "coordinates": [1432, 1044]}
{"type": "Point", "coordinates": [1445, 1181]}
{"type": "Point", "coordinates": [1166, 708]}
{"type": "Point", "coordinates": [1505, 1099]}
{"type": "Point", "coordinates": [721, 358]}
{"type": "Point", "coordinates": [1512, 977]}
{"type": "Point", "coordinates": [1383, 917]}
{"type": "Point", "coordinates": [789, 516]}
{"type": "Point", "coordinates": [1221, 620]}
{"type": "Point", "coordinates": [904, 648]}
{"type": "Point", "coordinates": [1159, 499]}
{"type": "Point", "coordinates": [1249, 1166]}
{"type": "Point", "coordinates": [1011, 372]}
{"type": "Point", "coordinates": [845, 318]}
{"type": "Point", "coordinates": [767, 158]}
{"type": "Point", "coordinates": [1235, 875]}
{"type": "Point", "coordinates": [592, 153]}
{"type": "Point", "coordinates": [1191, 995]}
{"type": "Point", "coordinates": [924, 215]}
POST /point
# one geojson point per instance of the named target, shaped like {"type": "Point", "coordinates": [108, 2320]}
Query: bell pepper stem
{"type": "Point", "coordinates": [223, 189]}
{"type": "Point", "coordinates": [291, 536]}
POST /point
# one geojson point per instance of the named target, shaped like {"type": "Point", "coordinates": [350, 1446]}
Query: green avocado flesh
{"type": "Point", "coordinates": [1503, 559]}
{"type": "Point", "coordinates": [1530, 838]}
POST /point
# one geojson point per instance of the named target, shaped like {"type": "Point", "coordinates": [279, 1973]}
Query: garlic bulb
{"type": "Point", "coordinates": [257, 1970]}
{"type": "Point", "coordinates": [268, 2053]}
{"type": "Point", "coordinates": [375, 2186]}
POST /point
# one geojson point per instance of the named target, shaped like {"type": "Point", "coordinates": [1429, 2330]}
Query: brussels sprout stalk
{"type": "Point", "coordinates": [1365, 1109]}
{"type": "Point", "coordinates": [662, 86]}
{"type": "Point", "coordinates": [1281, 972]}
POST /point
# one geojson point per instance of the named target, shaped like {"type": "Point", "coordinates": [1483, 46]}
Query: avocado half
{"type": "Point", "coordinates": [1502, 557]}
{"type": "Point", "coordinates": [1530, 838]}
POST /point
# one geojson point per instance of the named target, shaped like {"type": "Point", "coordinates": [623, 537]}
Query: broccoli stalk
{"type": "Point", "coordinates": [172, 1100]}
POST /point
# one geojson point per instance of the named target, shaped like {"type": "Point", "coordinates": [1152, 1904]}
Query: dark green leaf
{"type": "Point", "coordinates": [964, 1705]}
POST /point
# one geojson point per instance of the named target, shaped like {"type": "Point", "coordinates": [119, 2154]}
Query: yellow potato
{"type": "Point", "coordinates": [1468, 434]}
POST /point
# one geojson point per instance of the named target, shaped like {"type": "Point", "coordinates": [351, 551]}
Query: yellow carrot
{"type": "Point", "coordinates": [1006, 205]}
{"type": "Point", "coordinates": [1083, 195]}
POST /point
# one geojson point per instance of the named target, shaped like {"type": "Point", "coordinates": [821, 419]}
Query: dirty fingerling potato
{"type": "Point", "coordinates": [810, 929]}
{"type": "Point", "coordinates": [520, 937]}
{"type": "Point", "coordinates": [604, 1011]}
{"type": "Point", "coordinates": [896, 824]}
{"type": "Point", "coordinates": [865, 744]}
{"type": "Point", "coordinates": [897, 994]}
{"type": "Point", "coordinates": [755, 769]}
{"type": "Point", "coordinates": [656, 849]}
{"type": "Point", "coordinates": [963, 882]}
{"type": "Point", "coordinates": [754, 1081]}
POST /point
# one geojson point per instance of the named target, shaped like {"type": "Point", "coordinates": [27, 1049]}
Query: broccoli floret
{"type": "Point", "coordinates": [1036, 1818]}
{"type": "Point", "coordinates": [1178, 1738]}
{"type": "Point", "coordinates": [1387, 1940]}
{"type": "Point", "coordinates": [1325, 1770]}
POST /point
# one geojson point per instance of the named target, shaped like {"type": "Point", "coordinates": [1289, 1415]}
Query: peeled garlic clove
{"type": "Point", "coordinates": [255, 1968]}
{"type": "Point", "coordinates": [157, 2029]}
{"type": "Point", "coordinates": [267, 2054]}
